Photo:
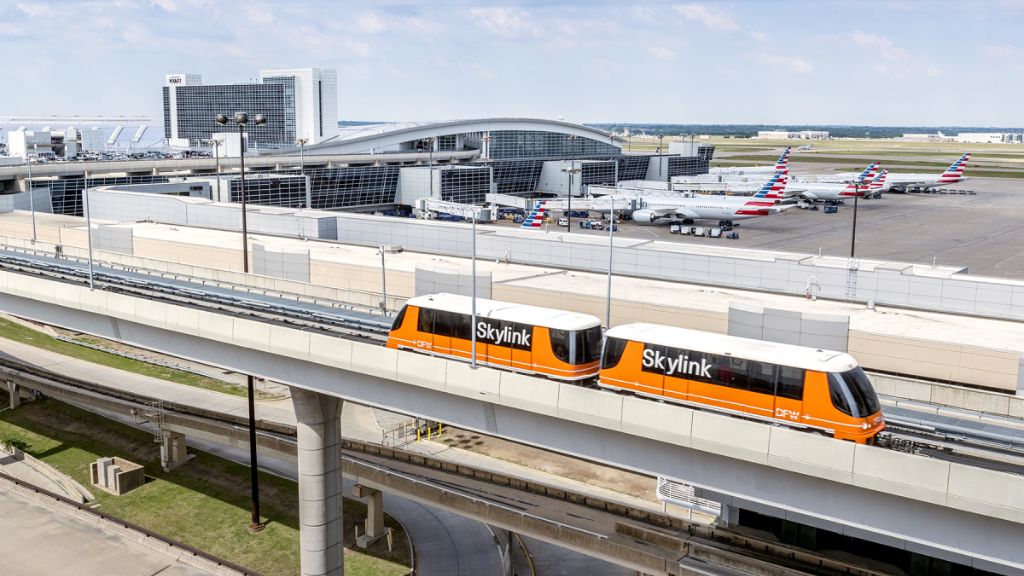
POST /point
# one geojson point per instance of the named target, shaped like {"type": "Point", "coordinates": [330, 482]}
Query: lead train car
{"type": "Point", "coordinates": [554, 343]}
{"type": "Point", "coordinates": [795, 386]}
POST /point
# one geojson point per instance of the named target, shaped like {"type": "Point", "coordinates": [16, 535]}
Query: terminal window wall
{"type": "Point", "coordinates": [465, 185]}
{"type": "Point", "coordinates": [538, 144]}
{"type": "Point", "coordinates": [289, 102]}
{"type": "Point", "coordinates": [706, 151]}
{"type": "Point", "coordinates": [198, 106]}
{"type": "Point", "coordinates": [352, 187]}
{"type": "Point", "coordinates": [517, 177]}
{"type": "Point", "coordinates": [597, 173]}
{"type": "Point", "coordinates": [288, 191]}
{"type": "Point", "coordinates": [66, 194]}
{"type": "Point", "coordinates": [687, 166]}
{"type": "Point", "coordinates": [633, 167]}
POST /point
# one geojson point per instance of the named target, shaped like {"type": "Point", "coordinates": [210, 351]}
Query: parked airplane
{"type": "Point", "coordinates": [677, 208]}
{"type": "Point", "coordinates": [781, 165]}
{"type": "Point", "coordinates": [834, 191]}
{"type": "Point", "coordinates": [952, 175]}
{"type": "Point", "coordinates": [838, 178]}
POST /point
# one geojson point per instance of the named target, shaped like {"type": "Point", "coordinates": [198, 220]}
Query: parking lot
{"type": "Point", "coordinates": [983, 232]}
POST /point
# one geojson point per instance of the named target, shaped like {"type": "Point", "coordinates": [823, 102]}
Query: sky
{"type": "Point", "coordinates": [926, 63]}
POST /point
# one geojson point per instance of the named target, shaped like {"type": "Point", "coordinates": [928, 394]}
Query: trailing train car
{"type": "Point", "coordinates": [795, 386]}
{"type": "Point", "coordinates": [554, 343]}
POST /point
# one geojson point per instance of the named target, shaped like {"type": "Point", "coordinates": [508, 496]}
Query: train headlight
{"type": "Point", "coordinates": [865, 426]}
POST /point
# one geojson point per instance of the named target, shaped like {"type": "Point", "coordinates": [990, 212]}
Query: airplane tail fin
{"type": "Point", "coordinates": [782, 164]}
{"type": "Point", "coordinates": [772, 190]}
{"type": "Point", "coordinates": [955, 172]}
{"type": "Point", "coordinates": [868, 173]}
{"type": "Point", "coordinates": [879, 181]}
{"type": "Point", "coordinates": [537, 215]}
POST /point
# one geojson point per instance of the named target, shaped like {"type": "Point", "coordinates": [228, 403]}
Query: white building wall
{"type": "Point", "coordinates": [25, 143]}
{"type": "Point", "coordinates": [316, 101]}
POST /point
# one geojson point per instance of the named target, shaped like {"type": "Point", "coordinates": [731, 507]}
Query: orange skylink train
{"type": "Point", "coordinates": [554, 343]}
{"type": "Point", "coordinates": [796, 386]}
{"type": "Point", "coordinates": [816, 390]}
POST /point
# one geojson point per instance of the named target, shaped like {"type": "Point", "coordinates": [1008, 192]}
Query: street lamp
{"type": "Point", "coordinates": [611, 247]}
{"type": "Point", "coordinates": [31, 200]}
{"type": "Point", "coordinates": [430, 162]}
{"type": "Point", "coordinates": [216, 156]}
{"type": "Point", "coordinates": [570, 172]}
{"type": "Point", "coordinates": [853, 237]}
{"type": "Point", "coordinates": [241, 119]}
{"type": "Point", "coordinates": [302, 170]}
{"type": "Point", "coordinates": [383, 282]}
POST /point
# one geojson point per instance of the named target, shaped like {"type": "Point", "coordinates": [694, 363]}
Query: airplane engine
{"type": "Point", "coordinates": [645, 216]}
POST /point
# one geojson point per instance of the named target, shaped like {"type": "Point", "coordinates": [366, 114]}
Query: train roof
{"type": "Point", "coordinates": [748, 348]}
{"type": "Point", "coordinates": [523, 313]}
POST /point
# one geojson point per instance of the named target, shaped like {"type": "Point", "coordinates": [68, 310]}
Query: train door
{"type": "Point", "coordinates": [522, 356]}
{"type": "Point", "coordinates": [462, 335]}
{"type": "Point", "coordinates": [442, 332]}
{"type": "Point", "coordinates": [789, 394]}
{"type": "Point", "coordinates": [425, 330]}
{"type": "Point", "coordinates": [501, 355]}
{"type": "Point", "coordinates": [650, 378]}
{"type": "Point", "coordinates": [761, 388]}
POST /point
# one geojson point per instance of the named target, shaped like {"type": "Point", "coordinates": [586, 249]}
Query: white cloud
{"type": "Point", "coordinates": [509, 22]}
{"type": "Point", "coordinates": [883, 45]}
{"type": "Point", "coordinates": [794, 65]}
{"type": "Point", "coordinates": [709, 16]}
{"type": "Point", "coordinates": [360, 49]}
{"type": "Point", "coordinates": [661, 53]}
{"type": "Point", "coordinates": [899, 59]}
{"type": "Point", "coordinates": [482, 71]}
{"type": "Point", "coordinates": [759, 36]}
{"type": "Point", "coordinates": [371, 23]}
{"type": "Point", "coordinates": [36, 9]}
{"type": "Point", "coordinates": [166, 5]}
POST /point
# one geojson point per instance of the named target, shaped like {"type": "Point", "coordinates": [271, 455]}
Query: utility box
{"type": "Point", "coordinates": [117, 475]}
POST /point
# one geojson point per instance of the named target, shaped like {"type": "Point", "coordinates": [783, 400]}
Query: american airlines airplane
{"type": "Point", "coordinates": [686, 209]}
{"type": "Point", "coordinates": [952, 175]}
{"type": "Point", "coordinates": [781, 165]}
{"type": "Point", "coordinates": [840, 177]}
{"type": "Point", "coordinates": [834, 191]}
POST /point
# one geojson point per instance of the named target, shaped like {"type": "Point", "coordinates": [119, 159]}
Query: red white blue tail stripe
{"type": "Point", "coordinates": [869, 173]}
{"type": "Point", "coordinates": [536, 216]}
{"type": "Point", "coordinates": [879, 181]}
{"type": "Point", "coordinates": [771, 192]}
{"type": "Point", "coordinates": [955, 172]}
{"type": "Point", "coordinates": [782, 164]}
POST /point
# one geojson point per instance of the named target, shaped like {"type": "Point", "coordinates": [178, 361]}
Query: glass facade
{"type": "Point", "coordinates": [517, 177]}
{"type": "Point", "coordinates": [66, 194]}
{"type": "Point", "coordinates": [465, 185]}
{"type": "Point", "coordinates": [597, 172]}
{"type": "Point", "coordinates": [633, 167]}
{"type": "Point", "coordinates": [687, 166]}
{"type": "Point", "coordinates": [505, 144]}
{"type": "Point", "coordinates": [197, 106]}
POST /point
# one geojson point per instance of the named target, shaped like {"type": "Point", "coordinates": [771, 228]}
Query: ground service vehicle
{"type": "Point", "coordinates": [554, 343]}
{"type": "Point", "coordinates": [795, 386]}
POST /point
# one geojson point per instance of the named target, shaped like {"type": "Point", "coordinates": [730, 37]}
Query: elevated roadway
{"type": "Point", "coordinates": [955, 511]}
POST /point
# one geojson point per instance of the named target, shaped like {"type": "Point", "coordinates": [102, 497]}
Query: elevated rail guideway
{"type": "Point", "coordinates": [964, 513]}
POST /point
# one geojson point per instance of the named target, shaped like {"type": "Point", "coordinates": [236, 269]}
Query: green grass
{"type": "Point", "coordinates": [20, 333]}
{"type": "Point", "coordinates": [204, 503]}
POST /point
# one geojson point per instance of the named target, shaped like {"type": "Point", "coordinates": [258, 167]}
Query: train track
{"type": "Point", "coordinates": [948, 442]}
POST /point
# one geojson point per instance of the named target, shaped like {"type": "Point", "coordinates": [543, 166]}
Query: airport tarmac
{"type": "Point", "coordinates": [983, 232]}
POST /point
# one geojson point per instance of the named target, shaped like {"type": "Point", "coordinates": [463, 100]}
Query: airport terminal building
{"type": "Point", "coordinates": [382, 167]}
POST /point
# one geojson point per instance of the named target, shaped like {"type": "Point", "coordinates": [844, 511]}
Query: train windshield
{"type": "Point", "coordinates": [577, 346]}
{"type": "Point", "coordinates": [399, 319]}
{"type": "Point", "coordinates": [852, 393]}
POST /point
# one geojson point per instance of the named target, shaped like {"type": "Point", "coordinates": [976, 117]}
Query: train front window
{"type": "Point", "coordinates": [613, 349]}
{"type": "Point", "coordinates": [588, 346]}
{"type": "Point", "coordinates": [426, 321]}
{"type": "Point", "coordinates": [852, 394]}
{"type": "Point", "coordinates": [560, 343]}
{"type": "Point", "coordinates": [399, 319]}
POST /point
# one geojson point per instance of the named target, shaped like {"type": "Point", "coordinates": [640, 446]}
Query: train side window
{"type": "Point", "coordinates": [462, 326]}
{"type": "Point", "coordinates": [560, 344]}
{"type": "Point", "coordinates": [734, 373]}
{"type": "Point", "coordinates": [443, 323]}
{"type": "Point", "coordinates": [791, 383]}
{"type": "Point", "coordinates": [840, 395]}
{"type": "Point", "coordinates": [426, 321]}
{"type": "Point", "coordinates": [613, 349]}
{"type": "Point", "coordinates": [761, 377]}
{"type": "Point", "coordinates": [397, 324]}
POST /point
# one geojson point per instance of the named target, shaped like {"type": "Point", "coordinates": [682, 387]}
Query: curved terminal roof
{"type": "Point", "coordinates": [365, 139]}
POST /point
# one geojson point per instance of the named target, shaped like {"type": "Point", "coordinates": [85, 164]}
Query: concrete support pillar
{"type": "Point", "coordinates": [318, 427]}
{"type": "Point", "coordinates": [729, 517]}
{"type": "Point", "coordinates": [374, 528]}
{"type": "Point", "coordinates": [173, 450]}
{"type": "Point", "coordinates": [15, 395]}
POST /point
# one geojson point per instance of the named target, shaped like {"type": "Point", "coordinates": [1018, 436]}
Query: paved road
{"type": "Point", "coordinates": [38, 542]}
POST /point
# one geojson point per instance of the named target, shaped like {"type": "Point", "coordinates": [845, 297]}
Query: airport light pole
{"type": "Point", "coordinates": [216, 158]}
{"type": "Point", "coordinates": [853, 237]}
{"type": "Point", "coordinates": [31, 200]}
{"type": "Point", "coordinates": [255, 524]}
{"type": "Point", "coordinates": [611, 248]}
{"type": "Point", "coordinates": [383, 282]}
{"type": "Point", "coordinates": [302, 170]}
{"type": "Point", "coordinates": [473, 311]}
{"type": "Point", "coordinates": [430, 162]}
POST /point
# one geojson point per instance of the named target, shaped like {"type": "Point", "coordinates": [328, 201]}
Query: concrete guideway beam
{"type": "Point", "coordinates": [972, 513]}
{"type": "Point", "coordinates": [318, 430]}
